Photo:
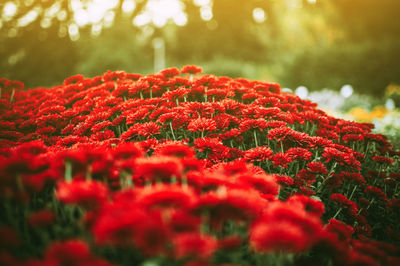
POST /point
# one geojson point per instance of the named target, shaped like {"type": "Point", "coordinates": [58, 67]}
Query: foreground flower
{"type": "Point", "coordinates": [87, 194]}
{"type": "Point", "coordinates": [283, 228]}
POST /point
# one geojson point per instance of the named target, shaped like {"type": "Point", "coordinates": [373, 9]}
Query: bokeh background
{"type": "Point", "coordinates": [342, 54]}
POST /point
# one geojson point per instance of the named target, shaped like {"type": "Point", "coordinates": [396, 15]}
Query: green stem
{"type": "Point", "coordinates": [173, 180]}
{"type": "Point", "coordinates": [68, 172]}
{"type": "Point", "coordinates": [20, 184]}
{"type": "Point", "coordinates": [12, 96]}
{"type": "Point", "coordinates": [89, 173]}
{"type": "Point", "coordinates": [337, 213]}
{"type": "Point", "coordinates": [184, 182]}
{"type": "Point", "coordinates": [366, 149]}
{"type": "Point", "coordinates": [172, 130]}
{"type": "Point", "coordinates": [352, 193]}
{"type": "Point", "coordinates": [372, 201]}
{"type": "Point", "coordinates": [255, 138]}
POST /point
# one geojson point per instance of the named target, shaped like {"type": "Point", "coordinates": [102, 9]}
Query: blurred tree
{"type": "Point", "coordinates": [41, 60]}
{"type": "Point", "coordinates": [319, 43]}
{"type": "Point", "coordinates": [364, 20]}
{"type": "Point", "coordinates": [35, 34]}
{"type": "Point", "coordinates": [364, 52]}
{"type": "Point", "coordinates": [229, 28]}
{"type": "Point", "coordinates": [38, 37]}
{"type": "Point", "coordinates": [116, 48]}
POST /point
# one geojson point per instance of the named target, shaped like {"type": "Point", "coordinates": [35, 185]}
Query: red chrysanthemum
{"type": "Point", "coordinates": [155, 168]}
{"type": "Point", "coordinates": [283, 228]}
{"type": "Point", "coordinates": [88, 194]}
{"type": "Point", "coordinates": [202, 124]}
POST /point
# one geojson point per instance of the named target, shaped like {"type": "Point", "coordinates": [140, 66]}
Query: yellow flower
{"type": "Point", "coordinates": [359, 114]}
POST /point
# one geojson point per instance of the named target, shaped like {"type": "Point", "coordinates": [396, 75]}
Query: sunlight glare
{"type": "Point", "coordinates": [73, 31]}
{"type": "Point", "coordinates": [29, 17]}
{"type": "Point", "coordinates": [302, 92]}
{"type": "Point", "coordinates": [141, 20]}
{"type": "Point", "coordinates": [81, 17]}
{"type": "Point", "coordinates": [109, 18]}
{"type": "Point", "coordinates": [206, 13]}
{"type": "Point", "coordinates": [9, 10]}
{"type": "Point", "coordinates": [346, 91]}
{"type": "Point", "coordinates": [62, 15]}
{"type": "Point", "coordinates": [128, 6]}
{"type": "Point", "coordinates": [162, 10]}
{"type": "Point", "coordinates": [259, 15]}
{"type": "Point", "coordinates": [202, 2]}
{"type": "Point", "coordinates": [53, 11]}
{"type": "Point", "coordinates": [93, 12]}
{"type": "Point", "coordinates": [180, 19]}
{"type": "Point", "coordinates": [159, 12]}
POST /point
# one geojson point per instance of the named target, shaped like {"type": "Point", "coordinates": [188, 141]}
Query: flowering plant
{"type": "Point", "coordinates": [179, 168]}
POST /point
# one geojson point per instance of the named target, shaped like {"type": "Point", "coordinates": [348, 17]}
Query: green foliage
{"type": "Point", "coordinates": [348, 63]}
{"type": "Point", "coordinates": [327, 44]}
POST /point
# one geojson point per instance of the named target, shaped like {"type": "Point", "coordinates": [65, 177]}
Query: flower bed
{"type": "Point", "coordinates": [179, 168]}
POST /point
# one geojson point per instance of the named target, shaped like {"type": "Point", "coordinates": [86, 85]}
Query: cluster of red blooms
{"type": "Point", "coordinates": [194, 169]}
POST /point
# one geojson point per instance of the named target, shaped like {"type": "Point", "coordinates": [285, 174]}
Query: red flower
{"type": "Point", "coordinates": [71, 252]}
{"type": "Point", "coordinates": [73, 79]}
{"type": "Point", "coordinates": [191, 70]}
{"type": "Point", "coordinates": [127, 151]}
{"type": "Point", "coordinates": [311, 206]}
{"type": "Point", "coordinates": [87, 194]}
{"type": "Point", "coordinates": [137, 116]}
{"type": "Point", "coordinates": [175, 149]}
{"type": "Point", "coordinates": [170, 72]}
{"type": "Point", "coordinates": [299, 154]}
{"type": "Point", "coordinates": [230, 204]}
{"type": "Point", "coordinates": [340, 157]}
{"type": "Point", "coordinates": [393, 205]}
{"type": "Point", "coordinates": [281, 159]}
{"type": "Point", "coordinates": [259, 154]}
{"type": "Point", "coordinates": [177, 94]}
{"type": "Point", "coordinates": [317, 168]}
{"type": "Point", "coordinates": [355, 177]}
{"type": "Point", "coordinates": [149, 129]}
{"type": "Point", "coordinates": [375, 192]}
{"type": "Point", "coordinates": [339, 198]}
{"type": "Point", "coordinates": [165, 196]}
{"type": "Point", "coordinates": [284, 228]}
{"type": "Point", "coordinates": [136, 227]}
{"type": "Point", "coordinates": [155, 168]}
{"type": "Point", "coordinates": [194, 245]}
{"type": "Point", "coordinates": [114, 75]}
{"type": "Point", "coordinates": [146, 129]}
{"type": "Point", "coordinates": [342, 230]}
{"type": "Point", "coordinates": [181, 221]}
{"type": "Point", "coordinates": [352, 137]}
{"type": "Point", "coordinates": [202, 124]}
{"type": "Point", "coordinates": [249, 124]}
{"type": "Point", "coordinates": [383, 160]}
{"type": "Point", "coordinates": [284, 180]}
{"type": "Point", "coordinates": [266, 184]}
{"type": "Point", "coordinates": [345, 203]}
